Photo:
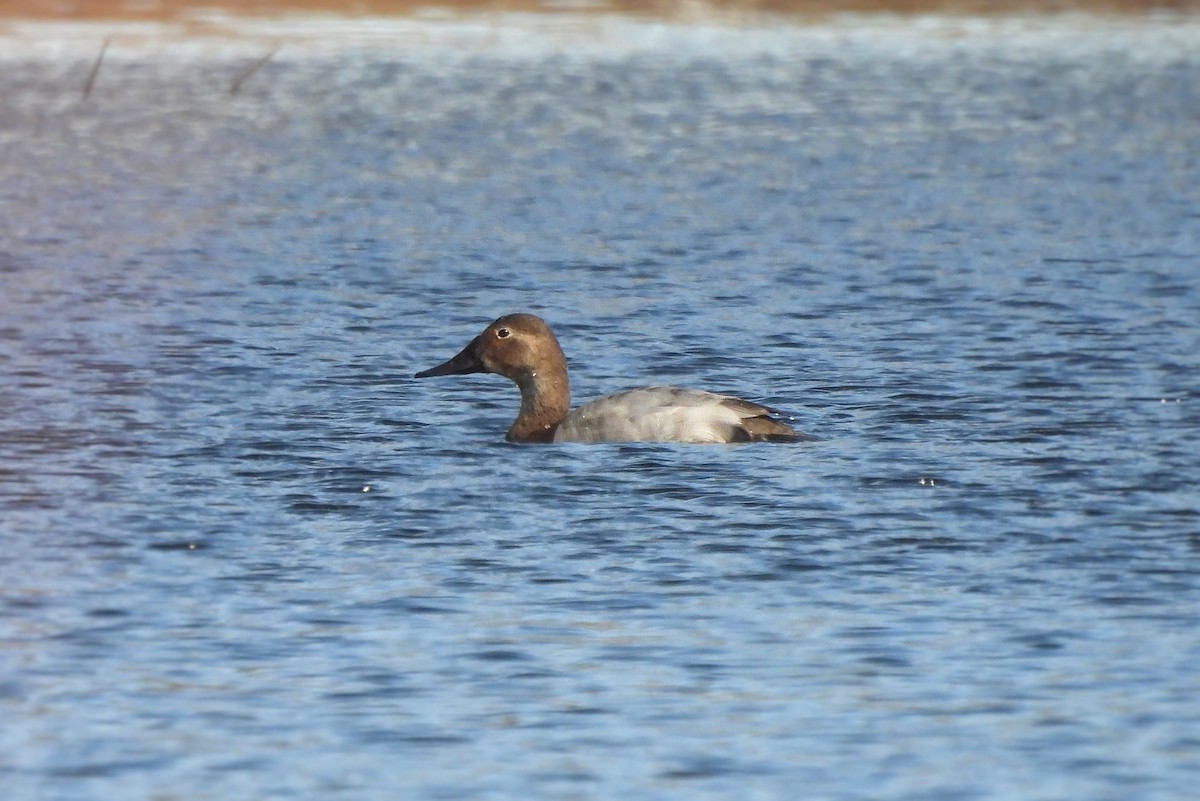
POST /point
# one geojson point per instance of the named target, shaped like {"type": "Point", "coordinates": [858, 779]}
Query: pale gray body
{"type": "Point", "coordinates": [659, 414]}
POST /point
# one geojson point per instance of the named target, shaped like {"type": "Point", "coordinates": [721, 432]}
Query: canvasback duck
{"type": "Point", "coordinates": [521, 347]}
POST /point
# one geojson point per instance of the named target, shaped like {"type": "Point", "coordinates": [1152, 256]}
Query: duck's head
{"type": "Point", "coordinates": [517, 346]}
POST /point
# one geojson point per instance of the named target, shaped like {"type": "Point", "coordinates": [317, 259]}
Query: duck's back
{"type": "Point", "coordinates": [671, 414]}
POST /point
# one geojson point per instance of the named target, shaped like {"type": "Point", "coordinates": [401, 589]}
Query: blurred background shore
{"type": "Point", "coordinates": [168, 10]}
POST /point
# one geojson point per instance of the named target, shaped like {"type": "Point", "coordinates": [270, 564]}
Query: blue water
{"type": "Point", "coordinates": [245, 556]}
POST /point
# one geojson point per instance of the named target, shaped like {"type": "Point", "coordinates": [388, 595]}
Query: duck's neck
{"type": "Point", "coordinates": [545, 401]}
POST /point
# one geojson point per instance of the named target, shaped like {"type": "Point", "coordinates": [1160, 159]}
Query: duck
{"type": "Point", "coordinates": [522, 348]}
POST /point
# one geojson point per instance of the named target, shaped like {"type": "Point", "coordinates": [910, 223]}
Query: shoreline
{"type": "Point", "coordinates": [182, 11]}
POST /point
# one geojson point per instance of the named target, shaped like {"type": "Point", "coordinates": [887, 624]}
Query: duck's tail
{"type": "Point", "coordinates": [765, 428]}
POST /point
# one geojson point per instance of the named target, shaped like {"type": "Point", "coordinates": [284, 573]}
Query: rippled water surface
{"type": "Point", "coordinates": [245, 556]}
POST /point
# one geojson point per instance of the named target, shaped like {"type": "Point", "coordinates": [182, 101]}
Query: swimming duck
{"type": "Point", "coordinates": [521, 347]}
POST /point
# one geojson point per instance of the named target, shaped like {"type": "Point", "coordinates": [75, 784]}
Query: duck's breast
{"type": "Point", "coordinates": [658, 414]}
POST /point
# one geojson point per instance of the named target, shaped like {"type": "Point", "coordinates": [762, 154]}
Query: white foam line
{"type": "Point", "coordinates": [518, 36]}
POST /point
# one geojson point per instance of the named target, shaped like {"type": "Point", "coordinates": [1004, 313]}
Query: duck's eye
{"type": "Point", "coordinates": [503, 333]}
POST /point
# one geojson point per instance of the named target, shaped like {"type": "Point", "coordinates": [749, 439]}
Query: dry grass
{"type": "Point", "coordinates": [167, 10]}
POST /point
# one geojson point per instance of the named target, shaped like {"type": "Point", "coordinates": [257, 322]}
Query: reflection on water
{"type": "Point", "coordinates": [245, 554]}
